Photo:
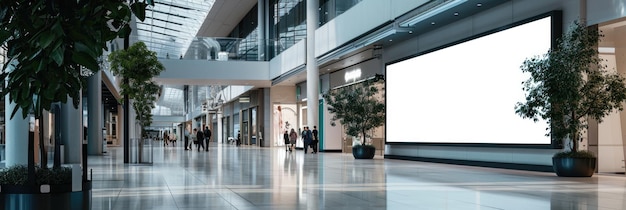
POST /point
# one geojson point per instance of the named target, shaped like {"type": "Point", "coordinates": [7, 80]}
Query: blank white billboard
{"type": "Point", "coordinates": [466, 93]}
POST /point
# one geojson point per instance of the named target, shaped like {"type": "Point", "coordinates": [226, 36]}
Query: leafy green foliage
{"type": "Point", "coordinates": [357, 107]}
{"type": "Point", "coordinates": [60, 175]}
{"type": "Point", "coordinates": [569, 84]}
{"type": "Point", "coordinates": [49, 43]}
{"type": "Point", "coordinates": [137, 65]}
{"type": "Point", "coordinates": [18, 175]}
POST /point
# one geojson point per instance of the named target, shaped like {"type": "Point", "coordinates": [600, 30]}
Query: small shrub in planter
{"type": "Point", "coordinates": [18, 175]}
{"type": "Point", "coordinates": [15, 175]}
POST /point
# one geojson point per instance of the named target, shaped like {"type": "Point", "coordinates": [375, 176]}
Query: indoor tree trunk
{"type": "Point", "coordinates": [57, 135]}
{"type": "Point", "coordinates": [42, 145]}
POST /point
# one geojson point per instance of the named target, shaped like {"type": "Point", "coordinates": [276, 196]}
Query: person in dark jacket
{"type": "Point", "coordinates": [207, 137]}
{"type": "Point", "coordinates": [308, 138]}
{"type": "Point", "coordinates": [286, 139]}
{"type": "Point", "coordinates": [238, 138]}
{"type": "Point", "coordinates": [315, 139]}
{"type": "Point", "coordinates": [199, 138]}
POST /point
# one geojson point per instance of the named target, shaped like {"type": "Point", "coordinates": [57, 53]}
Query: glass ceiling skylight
{"type": "Point", "coordinates": [171, 25]}
{"type": "Point", "coordinates": [171, 101]}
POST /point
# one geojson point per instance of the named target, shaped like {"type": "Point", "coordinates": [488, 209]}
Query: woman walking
{"type": "Point", "coordinates": [286, 139]}
{"type": "Point", "coordinates": [293, 136]}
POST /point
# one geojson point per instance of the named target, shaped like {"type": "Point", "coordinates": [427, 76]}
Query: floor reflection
{"type": "Point", "coordinates": [229, 177]}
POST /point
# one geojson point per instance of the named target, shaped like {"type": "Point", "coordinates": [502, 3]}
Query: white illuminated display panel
{"type": "Point", "coordinates": [467, 93]}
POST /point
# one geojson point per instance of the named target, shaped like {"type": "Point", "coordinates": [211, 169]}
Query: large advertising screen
{"type": "Point", "coordinates": [466, 93]}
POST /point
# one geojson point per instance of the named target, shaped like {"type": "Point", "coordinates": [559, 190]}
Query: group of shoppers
{"type": "Point", "coordinates": [169, 138]}
{"type": "Point", "coordinates": [309, 137]}
{"type": "Point", "coordinates": [199, 138]}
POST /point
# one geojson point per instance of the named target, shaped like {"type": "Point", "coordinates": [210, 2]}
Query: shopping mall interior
{"type": "Point", "coordinates": [253, 69]}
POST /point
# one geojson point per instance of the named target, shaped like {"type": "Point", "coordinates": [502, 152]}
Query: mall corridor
{"type": "Point", "coordinates": [229, 177]}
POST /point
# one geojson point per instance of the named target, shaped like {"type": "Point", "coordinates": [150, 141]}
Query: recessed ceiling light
{"type": "Point", "coordinates": [432, 23]}
{"type": "Point", "coordinates": [479, 5]}
{"type": "Point", "coordinates": [391, 40]}
{"type": "Point", "coordinates": [410, 32]}
{"type": "Point", "coordinates": [456, 14]}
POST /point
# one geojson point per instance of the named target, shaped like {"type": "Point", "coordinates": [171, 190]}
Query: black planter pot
{"type": "Point", "coordinates": [59, 197]}
{"type": "Point", "coordinates": [35, 189]}
{"type": "Point", "coordinates": [363, 152]}
{"type": "Point", "coordinates": [574, 167]}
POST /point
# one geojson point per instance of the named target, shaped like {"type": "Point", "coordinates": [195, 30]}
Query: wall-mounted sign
{"type": "Point", "coordinates": [353, 75]}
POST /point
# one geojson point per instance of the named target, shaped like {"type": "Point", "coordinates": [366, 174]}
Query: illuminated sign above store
{"type": "Point", "coordinates": [352, 75]}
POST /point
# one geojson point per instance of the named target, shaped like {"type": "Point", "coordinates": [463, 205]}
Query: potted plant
{"type": "Point", "coordinates": [567, 86]}
{"type": "Point", "coordinates": [137, 65]}
{"type": "Point", "coordinates": [52, 46]}
{"type": "Point", "coordinates": [359, 109]}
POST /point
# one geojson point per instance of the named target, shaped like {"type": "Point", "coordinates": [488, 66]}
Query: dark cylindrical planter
{"type": "Point", "coordinates": [20, 197]}
{"type": "Point", "coordinates": [68, 200]}
{"type": "Point", "coordinates": [363, 152]}
{"type": "Point", "coordinates": [574, 167]}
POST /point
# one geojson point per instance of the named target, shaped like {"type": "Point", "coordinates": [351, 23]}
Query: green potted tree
{"type": "Point", "coordinates": [51, 47]}
{"type": "Point", "coordinates": [138, 66]}
{"type": "Point", "coordinates": [359, 109]}
{"type": "Point", "coordinates": [567, 86]}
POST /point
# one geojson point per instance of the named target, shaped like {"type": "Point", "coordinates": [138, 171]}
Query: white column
{"type": "Point", "coordinates": [194, 99]}
{"type": "Point", "coordinates": [218, 133]}
{"type": "Point", "coordinates": [312, 71]}
{"type": "Point", "coordinates": [94, 110]}
{"type": "Point", "coordinates": [72, 131]}
{"type": "Point", "coordinates": [16, 135]}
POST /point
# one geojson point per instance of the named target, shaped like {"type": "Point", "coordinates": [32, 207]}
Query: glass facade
{"type": "Point", "coordinates": [329, 9]}
{"type": "Point", "coordinates": [248, 32]}
{"type": "Point", "coordinates": [287, 23]}
{"type": "Point", "coordinates": [287, 26]}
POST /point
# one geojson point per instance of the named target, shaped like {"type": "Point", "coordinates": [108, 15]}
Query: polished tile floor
{"type": "Point", "coordinates": [231, 177]}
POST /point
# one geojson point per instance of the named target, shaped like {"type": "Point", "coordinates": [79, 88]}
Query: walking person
{"type": "Point", "coordinates": [186, 136]}
{"type": "Point", "coordinates": [199, 139]}
{"type": "Point", "coordinates": [173, 138]}
{"type": "Point", "coordinates": [293, 137]}
{"type": "Point", "coordinates": [308, 137]}
{"type": "Point", "coordinates": [286, 139]}
{"type": "Point", "coordinates": [207, 136]}
{"type": "Point", "coordinates": [238, 138]}
{"type": "Point", "coordinates": [166, 139]}
{"type": "Point", "coordinates": [315, 139]}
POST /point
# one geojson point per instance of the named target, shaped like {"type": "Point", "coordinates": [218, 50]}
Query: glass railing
{"type": "Point", "coordinates": [239, 49]}
{"type": "Point", "coordinates": [221, 48]}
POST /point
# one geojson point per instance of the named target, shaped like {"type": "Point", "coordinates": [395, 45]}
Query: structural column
{"type": "Point", "coordinates": [218, 133]}
{"type": "Point", "coordinates": [16, 136]}
{"type": "Point", "coordinates": [72, 131]}
{"type": "Point", "coordinates": [194, 99]}
{"type": "Point", "coordinates": [312, 71]}
{"type": "Point", "coordinates": [94, 110]}
{"type": "Point", "coordinates": [620, 65]}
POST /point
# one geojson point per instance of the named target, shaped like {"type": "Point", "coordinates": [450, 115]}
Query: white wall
{"type": "Point", "coordinates": [351, 24]}
{"type": "Point", "coordinates": [192, 71]}
{"type": "Point", "coordinates": [333, 135]}
{"type": "Point", "coordinates": [289, 59]}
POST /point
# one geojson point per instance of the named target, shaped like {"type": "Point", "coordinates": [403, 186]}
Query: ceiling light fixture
{"type": "Point", "coordinates": [429, 13]}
